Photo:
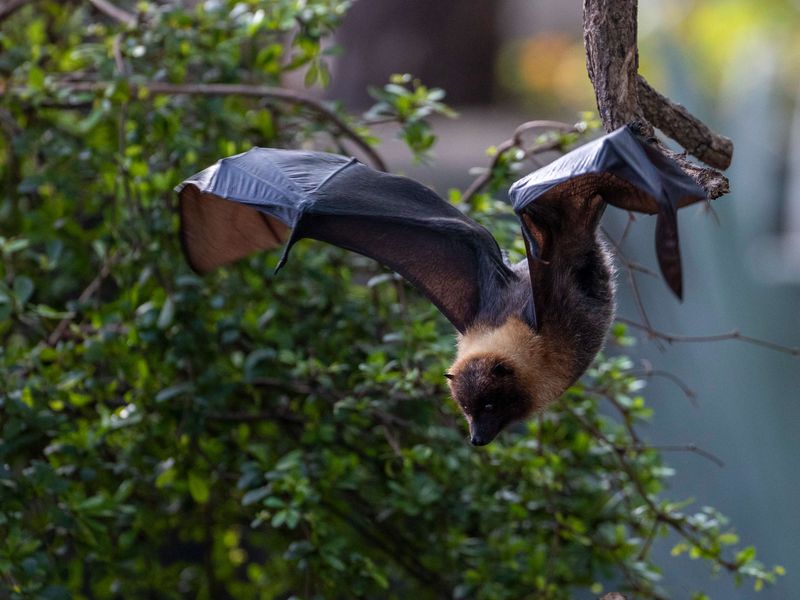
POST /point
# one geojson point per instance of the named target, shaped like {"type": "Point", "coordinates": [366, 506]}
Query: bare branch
{"type": "Point", "coordinates": [712, 181]}
{"type": "Point", "coordinates": [86, 294]}
{"type": "Point", "coordinates": [515, 141]}
{"type": "Point", "coordinates": [609, 33]}
{"type": "Point", "coordinates": [693, 448]}
{"type": "Point", "coordinates": [116, 13]}
{"type": "Point", "coordinates": [649, 373]}
{"type": "Point", "coordinates": [251, 417]}
{"type": "Point", "coordinates": [612, 60]}
{"type": "Point", "coordinates": [683, 127]}
{"type": "Point", "coordinates": [9, 7]}
{"type": "Point", "coordinates": [292, 387]}
{"type": "Point", "coordinates": [717, 337]}
{"type": "Point", "coordinates": [630, 273]}
{"type": "Point", "coordinates": [679, 525]}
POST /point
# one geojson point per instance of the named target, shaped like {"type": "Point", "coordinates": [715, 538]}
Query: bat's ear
{"type": "Point", "coordinates": [216, 232]}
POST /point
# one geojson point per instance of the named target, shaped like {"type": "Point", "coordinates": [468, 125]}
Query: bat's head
{"type": "Point", "coordinates": [490, 394]}
{"type": "Point", "coordinates": [504, 374]}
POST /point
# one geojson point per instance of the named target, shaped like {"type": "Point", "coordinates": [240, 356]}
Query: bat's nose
{"type": "Point", "coordinates": [477, 440]}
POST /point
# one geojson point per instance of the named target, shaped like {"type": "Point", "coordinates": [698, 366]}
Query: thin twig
{"type": "Point", "coordinates": [254, 417]}
{"type": "Point", "coordinates": [648, 543]}
{"type": "Point", "coordinates": [649, 372]}
{"type": "Point", "coordinates": [634, 285]}
{"type": "Point", "coordinates": [693, 448]}
{"type": "Point", "coordinates": [515, 141]}
{"type": "Point", "coordinates": [294, 387]}
{"type": "Point", "coordinates": [627, 420]}
{"type": "Point", "coordinates": [640, 268]}
{"type": "Point", "coordinates": [718, 337]}
{"type": "Point", "coordinates": [86, 294]}
{"type": "Point", "coordinates": [9, 7]}
{"type": "Point", "coordinates": [116, 50]}
{"type": "Point", "coordinates": [680, 526]}
{"type": "Point", "coordinates": [116, 13]}
{"type": "Point", "coordinates": [628, 226]}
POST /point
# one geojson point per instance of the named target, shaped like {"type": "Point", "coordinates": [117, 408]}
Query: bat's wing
{"type": "Point", "coordinates": [249, 202]}
{"type": "Point", "coordinates": [626, 172]}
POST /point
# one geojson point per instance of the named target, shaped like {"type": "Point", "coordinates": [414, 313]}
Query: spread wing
{"type": "Point", "coordinates": [248, 202]}
{"type": "Point", "coordinates": [624, 171]}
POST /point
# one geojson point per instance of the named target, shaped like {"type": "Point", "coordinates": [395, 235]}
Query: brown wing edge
{"type": "Point", "coordinates": [215, 231]}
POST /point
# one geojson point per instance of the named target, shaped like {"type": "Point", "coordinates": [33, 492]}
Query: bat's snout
{"type": "Point", "coordinates": [482, 432]}
{"type": "Point", "coordinates": [477, 440]}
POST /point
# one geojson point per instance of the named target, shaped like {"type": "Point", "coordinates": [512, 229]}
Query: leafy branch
{"type": "Point", "coordinates": [156, 88]}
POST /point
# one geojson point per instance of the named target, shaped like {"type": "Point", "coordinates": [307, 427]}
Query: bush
{"type": "Point", "coordinates": [252, 436]}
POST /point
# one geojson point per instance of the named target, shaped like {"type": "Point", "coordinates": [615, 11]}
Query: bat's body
{"type": "Point", "coordinates": [515, 369]}
{"type": "Point", "coordinates": [526, 331]}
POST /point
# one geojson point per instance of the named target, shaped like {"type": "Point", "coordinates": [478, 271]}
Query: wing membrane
{"type": "Point", "coordinates": [248, 202]}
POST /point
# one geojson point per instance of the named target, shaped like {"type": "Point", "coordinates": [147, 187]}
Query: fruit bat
{"type": "Point", "coordinates": [526, 331]}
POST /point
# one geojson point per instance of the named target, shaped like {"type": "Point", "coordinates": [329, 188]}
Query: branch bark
{"type": "Point", "coordinates": [683, 127]}
{"type": "Point", "coordinates": [9, 7]}
{"type": "Point", "coordinates": [623, 96]}
{"type": "Point", "coordinates": [612, 59]}
{"type": "Point", "coordinates": [116, 13]}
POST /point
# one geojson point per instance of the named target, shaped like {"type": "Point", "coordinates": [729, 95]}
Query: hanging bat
{"type": "Point", "coordinates": [526, 331]}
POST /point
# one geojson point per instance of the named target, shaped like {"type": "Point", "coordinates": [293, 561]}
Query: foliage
{"type": "Point", "coordinates": [251, 436]}
{"type": "Point", "coordinates": [406, 101]}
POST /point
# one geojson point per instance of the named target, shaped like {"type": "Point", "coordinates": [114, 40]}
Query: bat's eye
{"type": "Point", "coordinates": [501, 369]}
{"type": "Point", "coordinates": [488, 407]}
{"type": "Point", "coordinates": [450, 376]}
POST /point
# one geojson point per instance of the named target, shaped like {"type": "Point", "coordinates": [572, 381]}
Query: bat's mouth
{"type": "Point", "coordinates": [479, 441]}
{"type": "Point", "coordinates": [482, 432]}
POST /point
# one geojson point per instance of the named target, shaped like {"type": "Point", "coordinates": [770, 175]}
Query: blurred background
{"type": "Point", "coordinates": [736, 65]}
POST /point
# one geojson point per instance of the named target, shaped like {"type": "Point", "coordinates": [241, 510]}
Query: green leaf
{"type": "Point", "coordinates": [36, 79]}
{"type": "Point", "coordinates": [198, 487]}
{"type": "Point", "coordinates": [174, 391]}
{"type": "Point", "coordinates": [167, 313]}
{"type": "Point", "coordinates": [312, 74]}
{"type": "Point", "coordinates": [23, 289]}
{"type": "Point", "coordinates": [255, 495]}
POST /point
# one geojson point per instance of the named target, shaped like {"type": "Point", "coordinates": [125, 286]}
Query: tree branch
{"type": "Point", "coordinates": [683, 127]}
{"type": "Point", "coordinates": [9, 7]}
{"type": "Point", "coordinates": [679, 525]}
{"type": "Point", "coordinates": [515, 141]}
{"type": "Point", "coordinates": [717, 337]}
{"type": "Point", "coordinates": [649, 372]}
{"type": "Point", "coordinates": [232, 89]}
{"type": "Point", "coordinates": [612, 60]}
{"type": "Point", "coordinates": [623, 97]}
{"type": "Point", "coordinates": [90, 290]}
{"type": "Point", "coordinates": [116, 13]}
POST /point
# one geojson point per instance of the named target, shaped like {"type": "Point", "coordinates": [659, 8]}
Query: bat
{"type": "Point", "coordinates": [526, 331]}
